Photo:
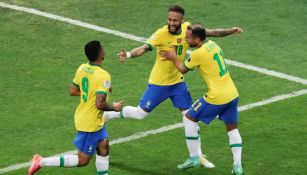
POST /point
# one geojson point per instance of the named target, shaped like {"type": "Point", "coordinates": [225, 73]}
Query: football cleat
{"type": "Point", "coordinates": [35, 165]}
{"type": "Point", "coordinates": [192, 162]}
{"type": "Point", "coordinates": [237, 170]}
{"type": "Point", "coordinates": [206, 163]}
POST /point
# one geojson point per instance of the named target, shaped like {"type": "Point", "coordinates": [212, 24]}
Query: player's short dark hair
{"type": "Point", "coordinates": [176, 8]}
{"type": "Point", "coordinates": [198, 31]}
{"type": "Point", "coordinates": [92, 50]}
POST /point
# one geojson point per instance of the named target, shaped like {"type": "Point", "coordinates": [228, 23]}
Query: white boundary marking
{"type": "Point", "coordinates": [169, 127]}
{"type": "Point", "coordinates": [141, 39]}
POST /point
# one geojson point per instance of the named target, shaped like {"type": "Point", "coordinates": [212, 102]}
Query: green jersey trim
{"type": "Point", "coordinates": [150, 46]}
{"type": "Point", "coordinates": [186, 66]}
{"type": "Point", "coordinates": [93, 64]}
{"type": "Point", "coordinates": [75, 84]}
{"type": "Point", "coordinates": [102, 92]}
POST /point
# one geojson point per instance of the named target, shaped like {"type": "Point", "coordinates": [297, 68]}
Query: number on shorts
{"type": "Point", "coordinates": [196, 105]}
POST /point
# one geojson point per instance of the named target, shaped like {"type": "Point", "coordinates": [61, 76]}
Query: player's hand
{"type": "Point", "coordinates": [118, 106]}
{"type": "Point", "coordinates": [168, 54]}
{"type": "Point", "coordinates": [122, 56]}
{"type": "Point", "coordinates": [237, 30]}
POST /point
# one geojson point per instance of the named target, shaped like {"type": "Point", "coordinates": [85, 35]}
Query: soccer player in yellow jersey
{"type": "Point", "coordinates": [165, 80]}
{"type": "Point", "coordinates": [92, 83]}
{"type": "Point", "coordinates": [221, 99]}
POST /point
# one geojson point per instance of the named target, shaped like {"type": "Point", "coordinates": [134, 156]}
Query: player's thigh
{"type": "Point", "coordinates": [83, 159]}
{"type": "Point", "coordinates": [103, 147]}
{"type": "Point", "coordinates": [180, 96]}
{"type": "Point", "coordinates": [153, 96]}
{"type": "Point", "coordinates": [204, 111]}
{"type": "Point", "coordinates": [230, 114]}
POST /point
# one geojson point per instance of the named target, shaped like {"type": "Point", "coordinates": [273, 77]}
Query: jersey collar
{"type": "Point", "coordinates": [93, 64]}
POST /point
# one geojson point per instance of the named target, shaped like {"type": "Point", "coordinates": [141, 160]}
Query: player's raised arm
{"type": "Point", "coordinates": [101, 104]}
{"type": "Point", "coordinates": [136, 52]}
{"type": "Point", "coordinates": [223, 32]}
{"type": "Point", "coordinates": [171, 55]}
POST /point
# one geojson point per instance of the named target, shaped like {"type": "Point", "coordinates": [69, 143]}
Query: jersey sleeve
{"type": "Point", "coordinates": [192, 61]}
{"type": "Point", "coordinates": [104, 84]}
{"type": "Point", "coordinates": [154, 40]}
{"type": "Point", "coordinates": [76, 80]}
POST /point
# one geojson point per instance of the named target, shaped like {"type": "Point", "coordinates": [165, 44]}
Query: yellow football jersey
{"type": "Point", "coordinates": [165, 72]}
{"type": "Point", "coordinates": [92, 80]}
{"type": "Point", "coordinates": [210, 62]}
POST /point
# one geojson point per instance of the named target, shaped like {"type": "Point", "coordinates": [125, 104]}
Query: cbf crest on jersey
{"type": "Point", "coordinates": [179, 40]}
{"type": "Point", "coordinates": [107, 84]}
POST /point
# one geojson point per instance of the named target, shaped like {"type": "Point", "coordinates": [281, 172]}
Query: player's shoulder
{"type": "Point", "coordinates": [161, 31]}
{"type": "Point", "coordinates": [198, 52]}
{"type": "Point", "coordinates": [210, 46]}
{"type": "Point", "coordinates": [81, 67]}
{"type": "Point", "coordinates": [103, 73]}
{"type": "Point", "coordinates": [185, 24]}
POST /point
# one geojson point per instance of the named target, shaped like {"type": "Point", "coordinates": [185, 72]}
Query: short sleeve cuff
{"type": "Point", "coordinates": [75, 84]}
{"type": "Point", "coordinates": [150, 46]}
{"type": "Point", "coordinates": [102, 92]}
{"type": "Point", "coordinates": [187, 66]}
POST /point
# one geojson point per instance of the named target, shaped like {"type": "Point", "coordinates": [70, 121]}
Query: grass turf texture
{"type": "Point", "coordinates": [39, 57]}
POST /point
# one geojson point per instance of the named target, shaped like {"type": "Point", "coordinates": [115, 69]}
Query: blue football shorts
{"type": "Point", "coordinates": [206, 112]}
{"type": "Point", "coordinates": [155, 94]}
{"type": "Point", "coordinates": [87, 142]}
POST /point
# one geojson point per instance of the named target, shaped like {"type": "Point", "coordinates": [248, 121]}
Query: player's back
{"type": "Point", "coordinates": [213, 69]}
{"type": "Point", "coordinates": [92, 80]}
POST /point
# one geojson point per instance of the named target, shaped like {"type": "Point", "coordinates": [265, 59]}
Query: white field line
{"type": "Point", "coordinates": [169, 127]}
{"type": "Point", "coordinates": [141, 39]}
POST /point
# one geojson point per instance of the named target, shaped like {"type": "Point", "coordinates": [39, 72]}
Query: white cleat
{"type": "Point", "coordinates": [206, 163]}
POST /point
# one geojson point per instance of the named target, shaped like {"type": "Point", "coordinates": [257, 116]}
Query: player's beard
{"type": "Point", "coordinates": [178, 29]}
{"type": "Point", "coordinates": [192, 44]}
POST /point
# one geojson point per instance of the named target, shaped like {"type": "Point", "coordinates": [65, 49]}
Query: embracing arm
{"type": "Point", "coordinates": [180, 66]}
{"type": "Point", "coordinates": [171, 56]}
{"type": "Point", "coordinates": [101, 104]}
{"type": "Point", "coordinates": [223, 32]}
{"type": "Point", "coordinates": [136, 52]}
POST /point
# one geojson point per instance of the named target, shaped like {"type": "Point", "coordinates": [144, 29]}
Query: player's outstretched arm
{"type": "Point", "coordinates": [223, 32]}
{"type": "Point", "coordinates": [101, 104]}
{"type": "Point", "coordinates": [136, 52]}
{"type": "Point", "coordinates": [74, 91]}
{"type": "Point", "coordinates": [171, 55]}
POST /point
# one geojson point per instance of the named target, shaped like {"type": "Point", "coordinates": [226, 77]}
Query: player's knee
{"type": "Point", "coordinates": [103, 150]}
{"type": "Point", "coordinates": [83, 161]}
{"type": "Point", "coordinates": [141, 114]}
{"type": "Point", "coordinates": [134, 112]}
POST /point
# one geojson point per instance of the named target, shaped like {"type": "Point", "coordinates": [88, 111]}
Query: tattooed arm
{"type": "Point", "coordinates": [223, 32]}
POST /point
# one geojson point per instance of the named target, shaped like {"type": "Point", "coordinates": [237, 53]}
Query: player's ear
{"type": "Point", "coordinates": [197, 40]}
